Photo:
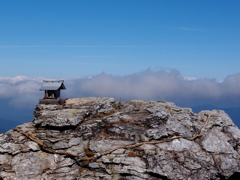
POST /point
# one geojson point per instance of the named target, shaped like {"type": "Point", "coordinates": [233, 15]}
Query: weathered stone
{"type": "Point", "coordinates": [60, 145]}
{"type": "Point", "coordinates": [75, 141]}
{"type": "Point", "coordinates": [61, 118]}
{"type": "Point", "coordinates": [105, 130]}
{"type": "Point", "coordinates": [78, 149]}
{"type": "Point", "coordinates": [104, 145]}
{"type": "Point", "coordinates": [216, 141]}
{"type": "Point", "coordinates": [180, 145]}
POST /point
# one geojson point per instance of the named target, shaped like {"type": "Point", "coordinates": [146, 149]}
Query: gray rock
{"type": "Point", "coordinates": [104, 145]}
{"type": "Point", "coordinates": [61, 118]}
{"type": "Point", "coordinates": [180, 145]}
{"type": "Point", "coordinates": [87, 127]}
{"type": "Point", "coordinates": [216, 141]}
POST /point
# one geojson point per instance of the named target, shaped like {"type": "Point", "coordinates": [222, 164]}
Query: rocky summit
{"type": "Point", "coordinates": [101, 138]}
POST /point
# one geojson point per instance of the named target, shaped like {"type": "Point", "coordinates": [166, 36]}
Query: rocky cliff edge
{"type": "Point", "coordinates": [100, 138]}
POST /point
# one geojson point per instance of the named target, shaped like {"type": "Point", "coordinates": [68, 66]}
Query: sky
{"type": "Point", "coordinates": [78, 38]}
{"type": "Point", "coordinates": [182, 51]}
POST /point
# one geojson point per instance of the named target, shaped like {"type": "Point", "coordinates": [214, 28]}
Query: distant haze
{"type": "Point", "coordinates": [23, 93]}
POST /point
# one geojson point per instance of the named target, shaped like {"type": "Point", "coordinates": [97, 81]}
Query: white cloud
{"type": "Point", "coordinates": [22, 91]}
{"type": "Point", "coordinates": [189, 78]}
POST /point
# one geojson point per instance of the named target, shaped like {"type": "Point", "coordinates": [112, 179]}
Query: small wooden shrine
{"type": "Point", "coordinates": [52, 91]}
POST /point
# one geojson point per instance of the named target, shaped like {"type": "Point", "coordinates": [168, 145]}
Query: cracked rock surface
{"type": "Point", "coordinates": [87, 127]}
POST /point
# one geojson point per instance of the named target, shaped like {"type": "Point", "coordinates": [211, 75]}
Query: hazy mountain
{"type": "Point", "coordinates": [2, 130]}
{"type": "Point", "coordinates": [10, 117]}
{"type": "Point", "coordinates": [7, 124]}
{"type": "Point", "coordinates": [234, 114]}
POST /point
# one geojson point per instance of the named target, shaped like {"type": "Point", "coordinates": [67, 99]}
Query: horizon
{"type": "Point", "coordinates": [186, 52]}
{"type": "Point", "coordinates": [20, 94]}
{"type": "Point", "coordinates": [199, 38]}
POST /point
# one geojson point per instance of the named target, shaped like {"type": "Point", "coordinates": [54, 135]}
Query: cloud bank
{"type": "Point", "coordinates": [23, 92]}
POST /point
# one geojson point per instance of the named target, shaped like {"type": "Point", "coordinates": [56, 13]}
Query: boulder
{"type": "Point", "coordinates": [101, 138]}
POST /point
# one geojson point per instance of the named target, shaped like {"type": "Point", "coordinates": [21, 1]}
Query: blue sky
{"type": "Point", "coordinates": [76, 38]}
{"type": "Point", "coordinates": [182, 51]}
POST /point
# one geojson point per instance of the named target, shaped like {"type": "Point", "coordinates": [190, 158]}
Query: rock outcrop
{"type": "Point", "coordinates": [100, 138]}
